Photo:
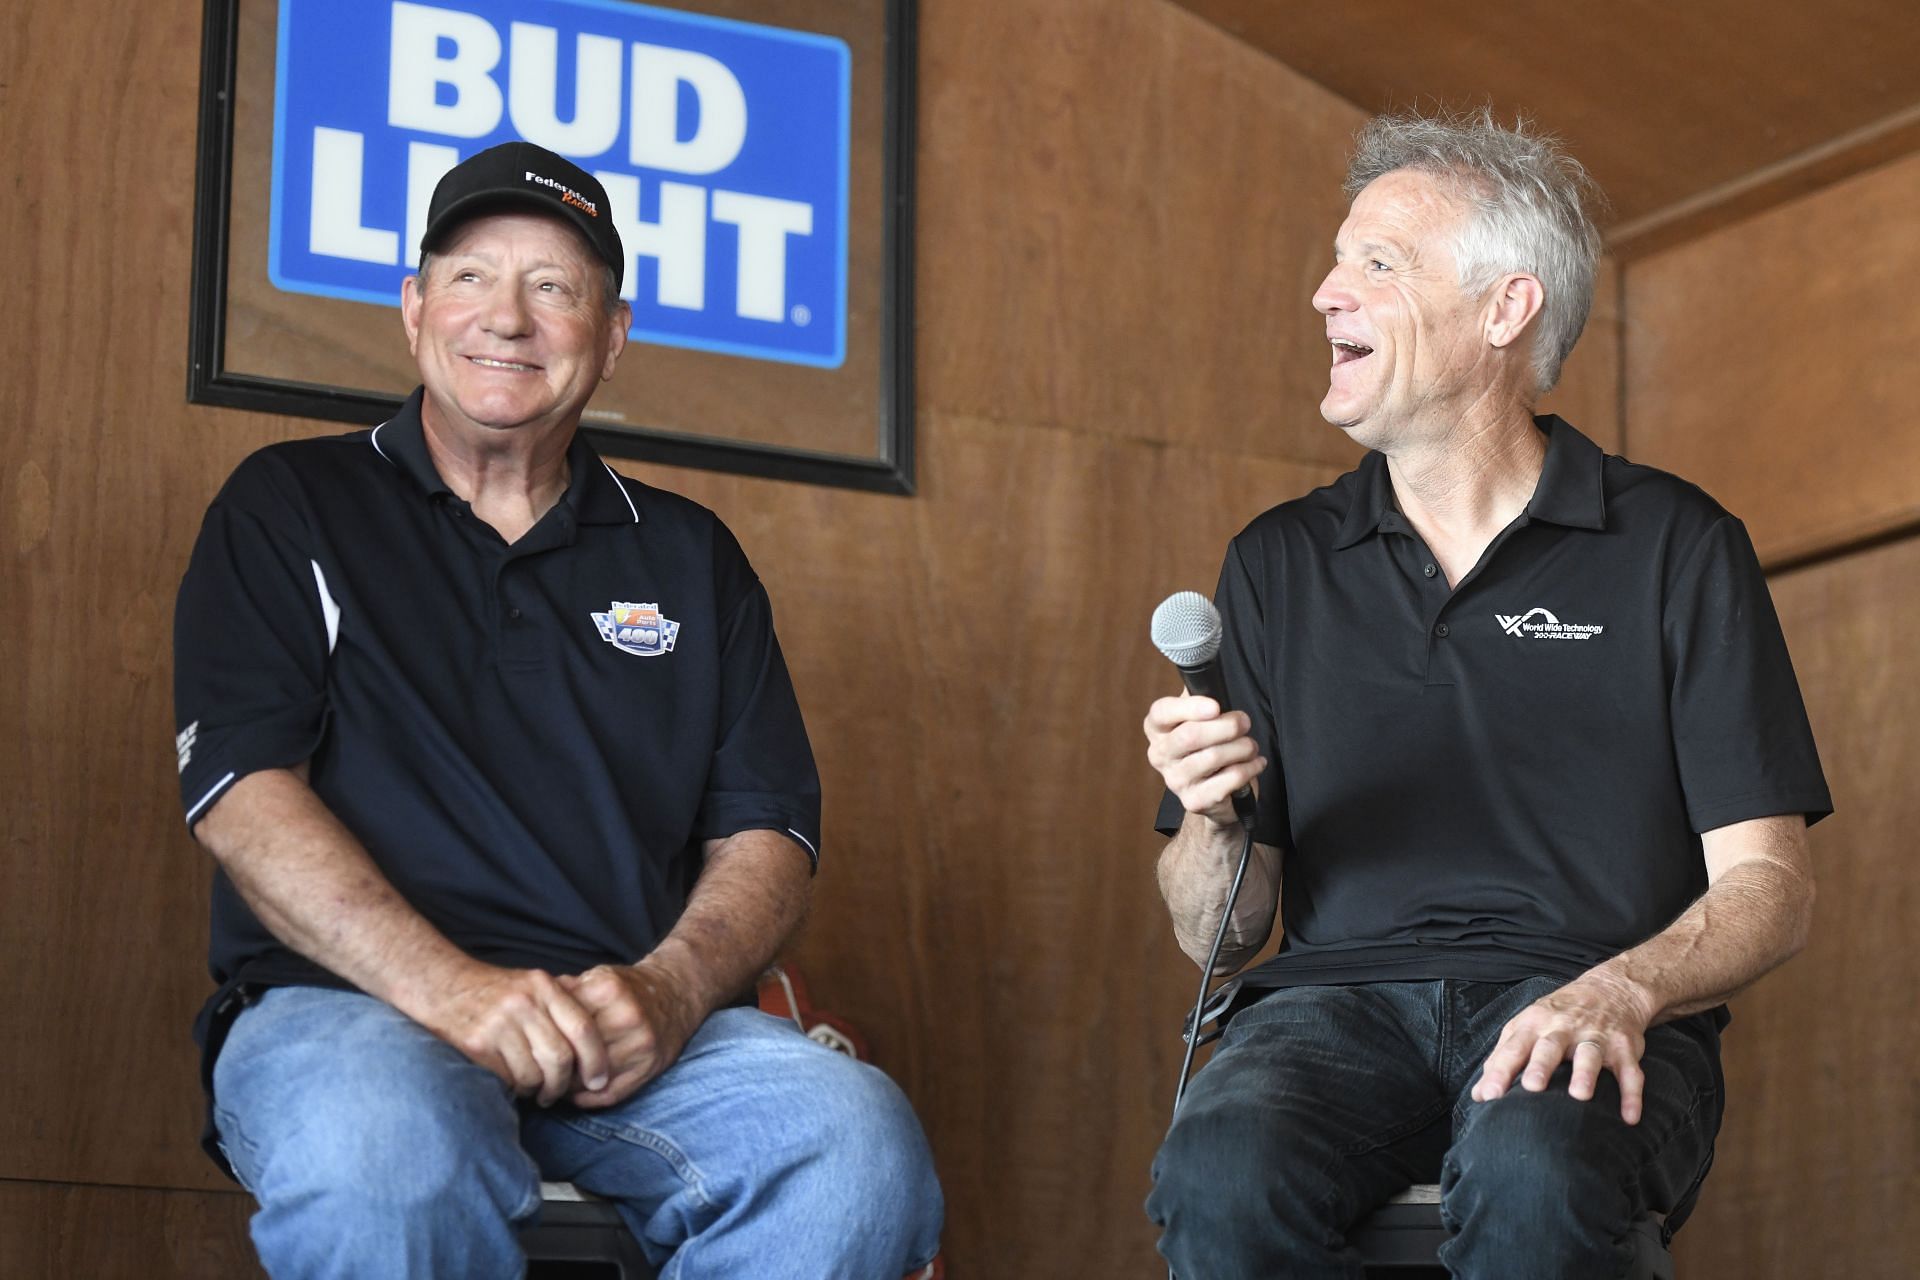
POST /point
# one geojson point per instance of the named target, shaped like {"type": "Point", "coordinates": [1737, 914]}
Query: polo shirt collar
{"type": "Point", "coordinates": [593, 492]}
{"type": "Point", "coordinates": [1372, 501]}
{"type": "Point", "coordinates": [1569, 491]}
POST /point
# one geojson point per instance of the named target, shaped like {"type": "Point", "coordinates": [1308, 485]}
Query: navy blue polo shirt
{"type": "Point", "coordinates": [531, 740]}
{"type": "Point", "coordinates": [1507, 777]}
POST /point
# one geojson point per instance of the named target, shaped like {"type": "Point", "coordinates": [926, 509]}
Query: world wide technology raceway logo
{"type": "Point", "coordinates": [1539, 624]}
{"type": "Point", "coordinates": [723, 147]}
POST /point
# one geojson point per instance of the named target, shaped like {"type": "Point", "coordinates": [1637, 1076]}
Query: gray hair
{"type": "Point", "coordinates": [609, 291]}
{"type": "Point", "coordinates": [1528, 203]}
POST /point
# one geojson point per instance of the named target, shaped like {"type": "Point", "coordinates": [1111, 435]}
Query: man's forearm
{"type": "Point", "coordinates": [750, 898]}
{"type": "Point", "coordinates": [1196, 869]}
{"type": "Point", "coordinates": [313, 885]}
{"type": "Point", "coordinates": [1751, 919]}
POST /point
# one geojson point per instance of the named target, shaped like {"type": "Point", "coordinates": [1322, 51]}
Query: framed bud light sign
{"type": "Point", "coordinates": [754, 157]}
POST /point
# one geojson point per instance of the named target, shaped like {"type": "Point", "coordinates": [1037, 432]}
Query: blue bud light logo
{"type": "Point", "coordinates": [723, 147]}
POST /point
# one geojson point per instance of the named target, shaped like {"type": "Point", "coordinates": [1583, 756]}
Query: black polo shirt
{"type": "Point", "coordinates": [1508, 777]}
{"type": "Point", "coordinates": [530, 740]}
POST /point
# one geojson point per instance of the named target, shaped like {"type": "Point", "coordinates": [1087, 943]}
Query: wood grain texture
{"type": "Point", "coordinates": [54, 1230]}
{"type": "Point", "coordinates": [1803, 173]}
{"type": "Point", "coordinates": [102, 900]}
{"type": "Point", "coordinates": [1818, 1171]}
{"type": "Point", "coordinates": [1588, 395]}
{"type": "Point", "coordinates": [1771, 363]}
{"type": "Point", "coordinates": [1123, 215]}
{"type": "Point", "coordinates": [1661, 101]}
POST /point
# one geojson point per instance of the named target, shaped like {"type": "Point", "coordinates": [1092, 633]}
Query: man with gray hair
{"type": "Point", "coordinates": [1533, 774]}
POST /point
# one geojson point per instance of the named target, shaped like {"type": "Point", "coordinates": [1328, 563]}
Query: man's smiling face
{"type": "Point", "coordinates": [509, 325]}
{"type": "Point", "coordinates": [1405, 338]}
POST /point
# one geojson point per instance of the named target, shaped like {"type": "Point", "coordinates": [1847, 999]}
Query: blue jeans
{"type": "Point", "coordinates": [376, 1149]}
{"type": "Point", "coordinates": [1321, 1102]}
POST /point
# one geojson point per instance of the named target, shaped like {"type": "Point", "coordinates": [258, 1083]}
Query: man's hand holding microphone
{"type": "Point", "coordinates": [1205, 752]}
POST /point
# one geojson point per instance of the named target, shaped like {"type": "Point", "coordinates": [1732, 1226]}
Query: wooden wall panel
{"type": "Point", "coordinates": [50, 1230]}
{"type": "Point", "coordinates": [1818, 1171]}
{"type": "Point", "coordinates": [1661, 101]}
{"type": "Point", "coordinates": [1123, 215]}
{"type": "Point", "coordinates": [1772, 364]}
{"type": "Point", "coordinates": [102, 902]}
{"type": "Point", "coordinates": [1588, 395]}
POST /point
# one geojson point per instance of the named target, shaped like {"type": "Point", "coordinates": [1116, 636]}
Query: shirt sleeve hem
{"type": "Point", "coordinates": [248, 751]}
{"type": "Point", "coordinates": [212, 793]}
{"type": "Point", "coordinates": [720, 827]}
{"type": "Point", "coordinates": [1813, 803]}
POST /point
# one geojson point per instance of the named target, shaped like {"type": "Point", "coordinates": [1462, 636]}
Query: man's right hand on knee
{"type": "Point", "coordinates": [520, 1024]}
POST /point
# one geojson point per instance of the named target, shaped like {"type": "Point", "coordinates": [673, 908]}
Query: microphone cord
{"type": "Point", "coordinates": [1206, 972]}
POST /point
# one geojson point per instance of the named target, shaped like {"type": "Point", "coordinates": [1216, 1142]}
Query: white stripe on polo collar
{"type": "Point", "coordinates": [612, 475]}
{"type": "Point", "coordinates": [374, 439]}
{"type": "Point", "coordinates": [615, 477]}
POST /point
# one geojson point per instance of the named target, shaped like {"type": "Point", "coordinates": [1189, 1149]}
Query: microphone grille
{"type": "Point", "coordinates": [1186, 627]}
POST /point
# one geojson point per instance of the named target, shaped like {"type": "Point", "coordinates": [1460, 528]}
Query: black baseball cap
{"type": "Point", "coordinates": [522, 175]}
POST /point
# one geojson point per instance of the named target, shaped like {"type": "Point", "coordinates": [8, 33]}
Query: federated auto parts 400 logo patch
{"type": "Point", "coordinates": [637, 629]}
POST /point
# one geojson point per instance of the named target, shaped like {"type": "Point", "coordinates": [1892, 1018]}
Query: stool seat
{"type": "Point", "coordinates": [1406, 1232]}
{"type": "Point", "coordinates": [579, 1234]}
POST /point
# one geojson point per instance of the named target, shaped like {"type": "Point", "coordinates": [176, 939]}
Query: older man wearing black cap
{"type": "Point", "coordinates": [511, 801]}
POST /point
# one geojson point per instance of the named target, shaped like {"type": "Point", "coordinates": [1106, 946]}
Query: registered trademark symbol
{"type": "Point", "coordinates": [801, 315]}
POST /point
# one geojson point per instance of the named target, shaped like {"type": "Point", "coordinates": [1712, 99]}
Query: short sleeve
{"type": "Point", "coordinates": [1244, 663]}
{"type": "Point", "coordinates": [762, 774]}
{"type": "Point", "coordinates": [1740, 731]}
{"type": "Point", "coordinates": [250, 643]}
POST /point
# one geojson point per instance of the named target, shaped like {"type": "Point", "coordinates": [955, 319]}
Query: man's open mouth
{"type": "Point", "coordinates": [1346, 351]}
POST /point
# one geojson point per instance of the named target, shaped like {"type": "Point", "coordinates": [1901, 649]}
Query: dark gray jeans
{"type": "Point", "coordinates": [1321, 1102]}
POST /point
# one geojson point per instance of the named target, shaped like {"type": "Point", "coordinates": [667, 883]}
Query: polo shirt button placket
{"type": "Point", "coordinates": [517, 642]}
{"type": "Point", "coordinates": [1441, 630]}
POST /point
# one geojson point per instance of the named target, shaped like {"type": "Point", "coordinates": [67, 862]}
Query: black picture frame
{"type": "Point", "coordinates": [211, 382]}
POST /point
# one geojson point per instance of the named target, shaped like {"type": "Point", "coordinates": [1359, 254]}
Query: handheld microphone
{"type": "Point", "coordinates": [1186, 628]}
